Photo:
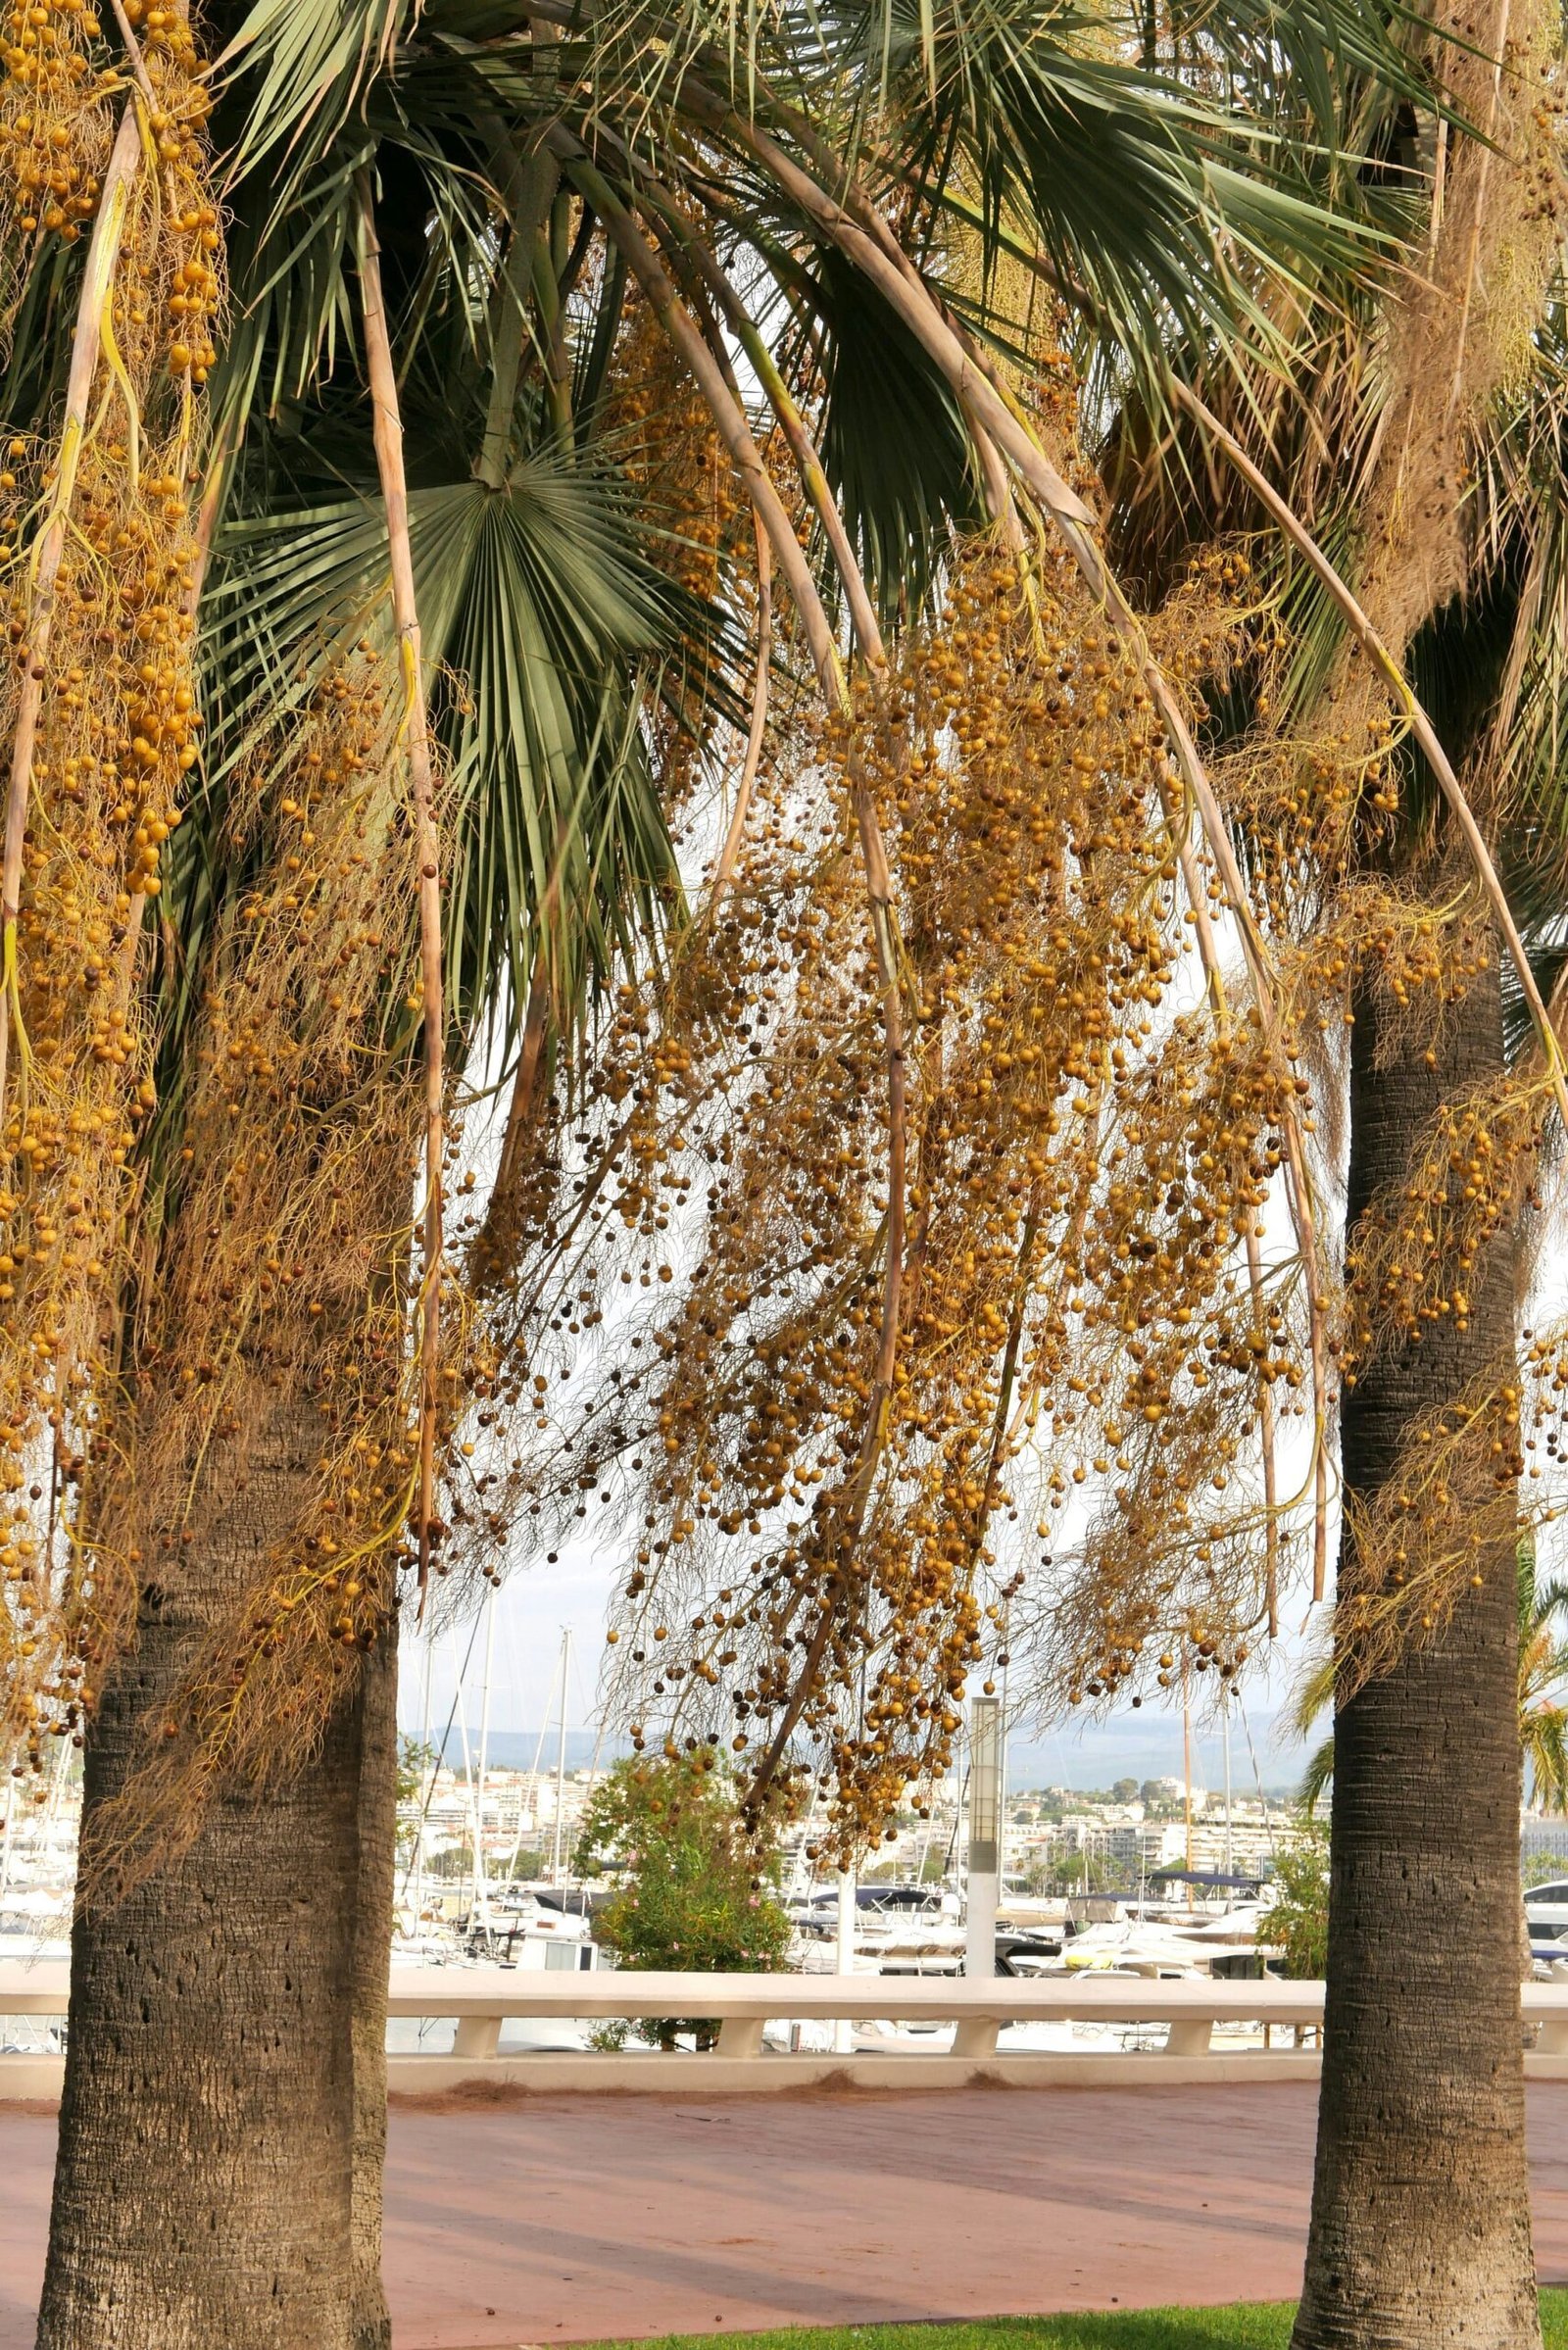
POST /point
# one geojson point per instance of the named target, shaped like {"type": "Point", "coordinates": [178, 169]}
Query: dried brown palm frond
{"type": "Point", "coordinates": [274, 1285]}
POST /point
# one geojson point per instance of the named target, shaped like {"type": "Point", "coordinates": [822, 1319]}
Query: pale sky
{"type": "Point", "coordinates": [534, 1605]}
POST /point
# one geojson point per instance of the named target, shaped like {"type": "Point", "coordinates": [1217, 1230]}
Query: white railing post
{"type": "Point", "coordinates": [976, 2037]}
{"type": "Point", "coordinates": [740, 2035]}
{"type": "Point", "coordinates": [849, 1920]}
{"type": "Point", "coordinates": [477, 2036]}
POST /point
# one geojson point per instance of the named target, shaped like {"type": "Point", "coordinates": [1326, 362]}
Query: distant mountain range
{"type": "Point", "coordinates": [1148, 1745]}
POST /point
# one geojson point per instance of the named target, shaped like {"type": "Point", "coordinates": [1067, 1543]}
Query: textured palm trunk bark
{"type": "Point", "coordinates": [370, 2324]}
{"type": "Point", "coordinates": [202, 2186]}
{"type": "Point", "coordinates": [1420, 2231]}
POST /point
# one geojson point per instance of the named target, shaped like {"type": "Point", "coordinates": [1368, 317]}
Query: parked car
{"type": "Point", "coordinates": [1547, 1908]}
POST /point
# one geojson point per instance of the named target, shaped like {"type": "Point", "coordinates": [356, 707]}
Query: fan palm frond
{"type": "Point", "coordinates": [1316, 1778]}
{"type": "Point", "coordinates": [545, 627]}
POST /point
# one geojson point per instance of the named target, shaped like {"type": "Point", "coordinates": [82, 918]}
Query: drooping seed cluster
{"type": "Point", "coordinates": [1414, 1254]}
{"type": "Point", "coordinates": [658, 431]}
{"type": "Point", "coordinates": [818, 1566]}
{"type": "Point", "coordinates": [56, 125]}
{"type": "Point", "coordinates": [107, 650]}
{"type": "Point", "coordinates": [1417, 1548]}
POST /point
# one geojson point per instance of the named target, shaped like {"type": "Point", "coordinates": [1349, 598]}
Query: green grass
{"type": "Point", "coordinates": [1240, 2325]}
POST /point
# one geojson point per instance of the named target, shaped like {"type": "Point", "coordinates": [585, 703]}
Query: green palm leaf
{"type": "Point", "coordinates": [546, 630]}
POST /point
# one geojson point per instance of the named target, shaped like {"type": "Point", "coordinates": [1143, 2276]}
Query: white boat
{"type": "Point", "coordinates": [35, 1924]}
{"type": "Point", "coordinates": [911, 1950]}
{"type": "Point", "coordinates": [1156, 1946]}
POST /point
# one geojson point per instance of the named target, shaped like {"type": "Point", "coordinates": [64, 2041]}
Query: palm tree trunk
{"type": "Point", "coordinates": [202, 2192]}
{"type": "Point", "coordinates": [370, 2325]}
{"type": "Point", "coordinates": [1420, 2231]}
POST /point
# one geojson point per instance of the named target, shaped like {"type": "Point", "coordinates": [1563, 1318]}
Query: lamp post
{"type": "Point", "coordinates": [1230, 1841]}
{"type": "Point", "coordinates": [985, 1836]}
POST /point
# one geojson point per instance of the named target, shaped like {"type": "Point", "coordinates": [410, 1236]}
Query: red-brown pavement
{"type": "Point", "coordinates": [562, 2218]}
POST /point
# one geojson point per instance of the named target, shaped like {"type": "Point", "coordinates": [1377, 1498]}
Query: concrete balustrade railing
{"type": "Point", "coordinates": [481, 2000]}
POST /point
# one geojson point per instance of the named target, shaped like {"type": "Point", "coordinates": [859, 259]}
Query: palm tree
{"type": "Point", "coordinates": [230, 1878]}
{"type": "Point", "coordinates": [527, 192]}
{"type": "Point", "coordinates": [1459, 584]}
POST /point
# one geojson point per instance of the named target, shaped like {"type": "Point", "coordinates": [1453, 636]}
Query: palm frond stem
{"type": "Point", "coordinates": [729, 854]}
{"type": "Point", "coordinates": [534, 186]}
{"type": "Point", "coordinates": [548, 297]}
{"type": "Point", "coordinates": [809, 463]}
{"type": "Point", "coordinates": [388, 438]}
{"type": "Point", "coordinates": [996, 486]}
{"type": "Point", "coordinates": [133, 50]}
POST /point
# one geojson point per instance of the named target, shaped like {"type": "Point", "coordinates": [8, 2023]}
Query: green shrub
{"type": "Point", "coordinates": [1299, 1921]}
{"type": "Point", "coordinates": [694, 1898]}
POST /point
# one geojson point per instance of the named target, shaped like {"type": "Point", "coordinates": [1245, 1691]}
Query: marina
{"type": "Point", "coordinates": [485, 1927]}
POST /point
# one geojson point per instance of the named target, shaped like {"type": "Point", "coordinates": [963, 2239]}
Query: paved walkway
{"type": "Point", "coordinates": [568, 2219]}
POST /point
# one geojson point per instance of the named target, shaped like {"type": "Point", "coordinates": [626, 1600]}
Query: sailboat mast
{"type": "Point", "coordinates": [429, 1767]}
{"type": "Point", "coordinates": [475, 1880]}
{"type": "Point", "coordinates": [480, 1879]}
{"type": "Point", "coordinates": [560, 1754]}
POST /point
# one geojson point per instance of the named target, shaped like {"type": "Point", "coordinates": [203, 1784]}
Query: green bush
{"type": "Point", "coordinates": [1298, 1920]}
{"type": "Point", "coordinates": [695, 1898]}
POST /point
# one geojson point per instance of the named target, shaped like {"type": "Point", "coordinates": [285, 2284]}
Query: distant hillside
{"type": "Point", "coordinates": [1144, 1746]}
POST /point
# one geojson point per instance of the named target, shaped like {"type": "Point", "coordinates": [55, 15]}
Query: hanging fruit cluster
{"type": "Point", "coordinates": [816, 1566]}
{"type": "Point", "coordinates": [56, 123]}
{"type": "Point", "coordinates": [658, 430]}
{"type": "Point", "coordinates": [99, 700]}
{"type": "Point", "coordinates": [1449, 1509]}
